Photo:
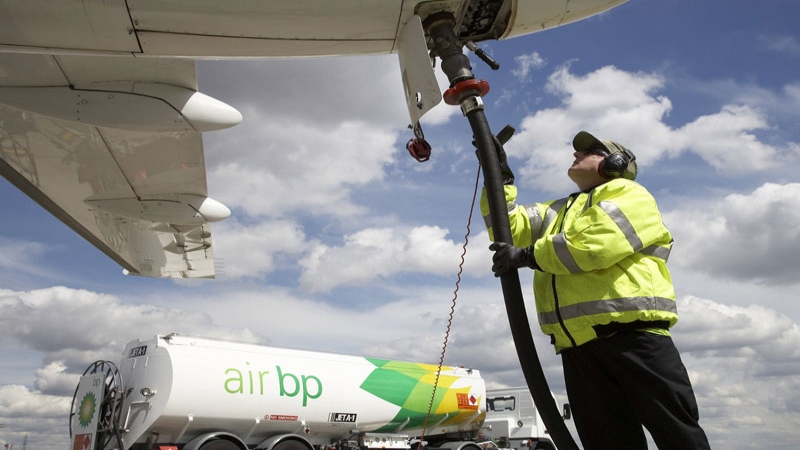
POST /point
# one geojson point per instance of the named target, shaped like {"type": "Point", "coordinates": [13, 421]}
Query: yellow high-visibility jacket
{"type": "Point", "coordinates": [603, 259]}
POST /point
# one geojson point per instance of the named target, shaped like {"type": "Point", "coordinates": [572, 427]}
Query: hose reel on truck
{"type": "Point", "coordinates": [96, 406]}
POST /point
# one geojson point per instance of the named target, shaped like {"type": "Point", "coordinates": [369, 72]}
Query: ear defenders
{"type": "Point", "coordinates": [616, 164]}
{"type": "Point", "coordinates": [619, 162]}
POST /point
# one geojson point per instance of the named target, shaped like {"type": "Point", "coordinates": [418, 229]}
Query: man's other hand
{"type": "Point", "coordinates": [508, 257]}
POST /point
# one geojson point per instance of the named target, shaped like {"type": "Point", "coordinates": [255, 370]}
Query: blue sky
{"type": "Point", "coordinates": [339, 241]}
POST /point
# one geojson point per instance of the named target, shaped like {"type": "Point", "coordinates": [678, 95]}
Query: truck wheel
{"type": "Point", "coordinates": [290, 444]}
{"type": "Point", "coordinates": [544, 446]}
{"type": "Point", "coordinates": [220, 444]}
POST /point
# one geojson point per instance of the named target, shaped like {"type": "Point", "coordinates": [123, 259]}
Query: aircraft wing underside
{"type": "Point", "coordinates": [133, 193]}
{"type": "Point", "coordinates": [101, 121]}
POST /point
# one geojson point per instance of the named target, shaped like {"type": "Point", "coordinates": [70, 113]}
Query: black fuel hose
{"type": "Point", "coordinates": [512, 292]}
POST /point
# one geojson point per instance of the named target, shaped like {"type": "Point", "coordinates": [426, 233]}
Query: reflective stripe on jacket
{"type": "Point", "coordinates": [602, 255]}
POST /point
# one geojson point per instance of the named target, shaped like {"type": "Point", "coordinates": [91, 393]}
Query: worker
{"type": "Point", "coordinates": [605, 298]}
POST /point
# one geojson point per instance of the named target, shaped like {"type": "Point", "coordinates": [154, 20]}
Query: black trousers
{"type": "Point", "coordinates": [631, 379]}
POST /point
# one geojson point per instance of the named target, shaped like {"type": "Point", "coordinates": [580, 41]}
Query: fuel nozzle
{"type": "Point", "coordinates": [445, 45]}
{"type": "Point", "coordinates": [464, 90]}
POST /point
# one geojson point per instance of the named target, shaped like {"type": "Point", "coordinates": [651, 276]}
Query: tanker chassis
{"type": "Point", "coordinates": [177, 392]}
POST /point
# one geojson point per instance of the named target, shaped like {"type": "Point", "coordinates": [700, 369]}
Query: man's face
{"type": "Point", "coordinates": [585, 169]}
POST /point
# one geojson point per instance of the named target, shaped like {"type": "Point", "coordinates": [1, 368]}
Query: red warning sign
{"type": "Point", "coordinates": [467, 401]}
{"type": "Point", "coordinates": [82, 442]}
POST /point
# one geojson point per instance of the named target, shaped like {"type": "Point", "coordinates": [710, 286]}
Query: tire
{"type": "Point", "coordinates": [471, 447]}
{"type": "Point", "coordinates": [290, 444]}
{"type": "Point", "coordinates": [220, 444]}
{"type": "Point", "coordinates": [544, 445]}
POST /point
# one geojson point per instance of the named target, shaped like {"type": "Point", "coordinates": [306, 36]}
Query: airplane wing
{"type": "Point", "coordinates": [101, 121]}
{"type": "Point", "coordinates": [102, 144]}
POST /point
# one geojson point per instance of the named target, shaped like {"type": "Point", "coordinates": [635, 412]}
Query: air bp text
{"type": "Point", "coordinates": [250, 381]}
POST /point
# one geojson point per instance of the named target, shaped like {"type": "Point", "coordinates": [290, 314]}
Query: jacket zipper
{"type": "Point", "coordinates": [570, 202]}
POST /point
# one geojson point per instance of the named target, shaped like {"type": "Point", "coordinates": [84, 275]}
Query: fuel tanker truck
{"type": "Point", "coordinates": [177, 392]}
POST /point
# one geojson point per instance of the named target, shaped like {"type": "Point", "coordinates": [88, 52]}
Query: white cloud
{"type": "Point", "coordinates": [379, 253]}
{"type": "Point", "coordinates": [315, 168]}
{"type": "Point", "coordinates": [607, 102]}
{"type": "Point", "coordinates": [255, 250]}
{"type": "Point", "coordinates": [745, 368]}
{"type": "Point", "coordinates": [782, 44]}
{"type": "Point", "coordinates": [83, 326]}
{"type": "Point", "coordinates": [19, 401]}
{"type": "Point", "coordinates": [335, 325]}
{"type": "Point", "coordinates": [743, 236]}
{"type": "Point", "coordinates": [479, 338]}
{"type": "Point", "coordinates": [40, 418]}
{"type": "Point", "coordinates": [319, 129]}
{"type": "Point", "coordinates": [609, 90]}
{"type": "Point", "coordinates": [738, 331]}
{"type": "Point", "coordinates": [14, 253]}
{"type": "Point", "coordinates": [23, 257]}
{"type": "Point", "coordinates": [625, 107]}
{"type": "Point", "coordinates": [526, 64]}
{"type": "Point", "coordinates": [54, 378]}
{"type": "Point", "coordinates": [321, 91]}
{"type": "Point", "coordinates": [793, 92]}
{"type": "Point", "coordinates": [725, 141]}
{"type": "Point", "coordinates": [780, 103]}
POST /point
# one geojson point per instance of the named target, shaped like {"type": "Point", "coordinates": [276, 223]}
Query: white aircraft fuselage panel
{"type": "Point", "coordinates": [68, 24]}
{"type": "Point", "coordinates": [240, 28]}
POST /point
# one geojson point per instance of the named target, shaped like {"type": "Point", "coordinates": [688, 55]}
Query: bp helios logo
{"type": "Point", "coordinates": [86, 410]}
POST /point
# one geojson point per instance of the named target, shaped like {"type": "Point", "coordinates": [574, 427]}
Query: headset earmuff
{"type": "Point", "coordinates": [614, 165]}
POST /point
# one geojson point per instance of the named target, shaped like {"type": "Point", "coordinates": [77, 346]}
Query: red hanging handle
{"type": "Point", "coordinates": [419, 149]}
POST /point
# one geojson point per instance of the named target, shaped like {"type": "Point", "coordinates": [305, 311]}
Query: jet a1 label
{"type": "Point", "coordinates": [138, 351]}
{"type": "Point", "coordinates": [342, 417]}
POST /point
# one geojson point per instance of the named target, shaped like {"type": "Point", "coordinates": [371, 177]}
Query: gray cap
{"type": "Point", "coordinates": [584, 141]}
